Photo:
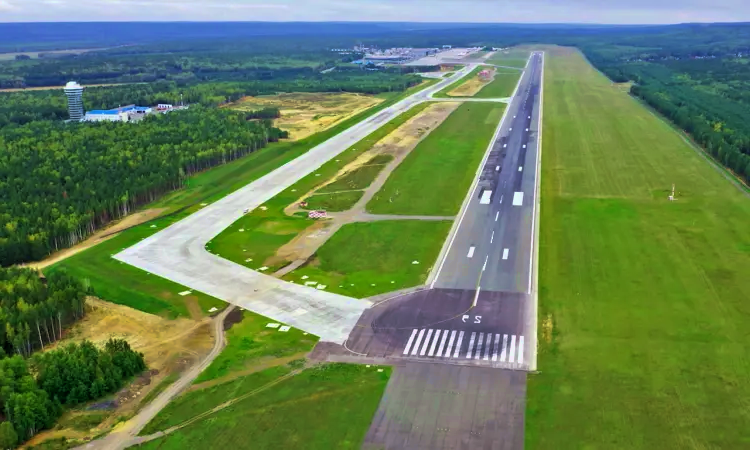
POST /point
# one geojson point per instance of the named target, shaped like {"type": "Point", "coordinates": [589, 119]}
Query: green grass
{"type": "Point", "coordinates": [123, 284]}
{"type": "Point", "coordinates": [434, 178]}
{"type": "Point", "coordinates": [359, 178]}
{"type": "Point", "coordinates": [334, 202]}
{"type": "Point", "coordinates": [644, 311]}
{"type": "Point", "coordinates": [368, 258]}
{"type": "Point", "coordinates": [513, 57]}
{"type": "Point", "coordinates": [267, 230]}
{"type": "Point", "coordinates": [325, 407]}
{"type": "Point", "coordinates": [444, 92]}
{"type": "Point", "coordinates": [502, 86]}
{"type": "Point", "coordinates": [251, 342]}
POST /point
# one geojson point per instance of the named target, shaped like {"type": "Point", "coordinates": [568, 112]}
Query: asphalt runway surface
{"type": "Point", "coordinates": [178, 252]}
{"type": "Point", "coordinates": [438, 406]}
{"type": "Point", "coordinates": [463, 347]}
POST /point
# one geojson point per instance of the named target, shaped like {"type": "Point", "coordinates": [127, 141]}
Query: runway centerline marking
{"type": "Point", "coordinates": [497, 214]}
{"type": "Point", "coordinates": [505, 253]}
{"type": "Point", "coordinates": [485, 262]}
{"type": "Point", "coordinates": [501, 199]}
{"type": "Point", "coordinates": [492, 238]}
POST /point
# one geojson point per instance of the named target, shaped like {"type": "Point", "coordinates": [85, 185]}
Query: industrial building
{"type": "Point", "coordinates": [74, 92]}
{"type": "Point", "coordinates": [130, 113]}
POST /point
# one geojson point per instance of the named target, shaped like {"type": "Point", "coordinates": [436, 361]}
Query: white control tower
{"type": "Point", "coordinates": [74, 92]}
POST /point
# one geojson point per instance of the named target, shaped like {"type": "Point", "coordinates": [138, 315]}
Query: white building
{"type": "Point", "coordinates": [74, 92]}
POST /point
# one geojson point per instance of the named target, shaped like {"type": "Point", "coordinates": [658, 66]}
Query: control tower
{"type": "Point", "coordinates": [74, 92]}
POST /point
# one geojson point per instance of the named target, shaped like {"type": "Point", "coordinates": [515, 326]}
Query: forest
{"type": "Point", "coordinates": [60, 182]}
{"type": "Point", "coordinates": [34, 388]}
{"type": "Point", "coordinates": [34, 392]}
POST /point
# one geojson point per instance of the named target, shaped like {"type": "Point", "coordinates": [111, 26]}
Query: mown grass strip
{"type": "Point", "coordinates": [303, 411]}
{"type": "Point", "coordinates": [369, 258]}
{"type": "Point", "coordinates": [434, 178]}
{"type": "Point", "coordinates": [643, 338]}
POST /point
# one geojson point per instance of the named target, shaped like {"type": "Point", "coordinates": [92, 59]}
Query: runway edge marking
{"type": "Point", "coordinates": [442, 256]}
{"type": "Point", "coordinates": [534, 263]}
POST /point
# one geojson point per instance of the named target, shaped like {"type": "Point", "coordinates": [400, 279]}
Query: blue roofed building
{"type": "Point", "coordinates": [130, 113]}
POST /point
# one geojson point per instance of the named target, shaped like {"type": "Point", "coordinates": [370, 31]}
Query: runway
{"type": "Point", "coordinates": [463, 345]}
{"type": "Point", "coordinates": [178, 252]}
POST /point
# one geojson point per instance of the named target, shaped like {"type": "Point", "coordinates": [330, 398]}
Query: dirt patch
{"type": "Point", "coordinates": [100, 236]}
{"type": "Point", "coordinates": [306, 113]}
{"type": "Point", "coordinates": [234, 316]}
{"type": "Point", "coordinates": [547, 327]}
{"type": "Point", "coordinates": [191, 302]}
{"type": "Point", "coordinates": [305, 242]}
{"type": "Point", "coordinates": [472, 86]}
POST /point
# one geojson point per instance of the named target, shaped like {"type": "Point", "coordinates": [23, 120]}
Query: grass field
{"type": "Point", "coordinates": [323, 407]}
{"type": "Point", "coordinates": [513, 57]}
{"type": "Point", "coordinates": [127, 285]}
{"type": "Point", "coordinates": [434, 178]}
{"type": "Point", "coordinates": [334, 202]}
{"type": "Point", "coordinates": [267, 230]}
{"type": "Point", "coordinates": [502, 86]}
{"type": "Point", "coordinates": [369, 258]}
{"type": "Point", "coordinates": [359, 178]}
{"type": "Point", "coordinates": [250, 342]}
{"type": "Point", "coordinates": [644, 312]}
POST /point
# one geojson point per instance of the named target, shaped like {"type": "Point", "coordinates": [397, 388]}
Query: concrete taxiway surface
{"type": "Point", "coordinates": [178, 252]}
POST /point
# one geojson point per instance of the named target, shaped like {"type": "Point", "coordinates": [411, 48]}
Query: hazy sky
{"type": "Point", "coordinates": [590, 11]}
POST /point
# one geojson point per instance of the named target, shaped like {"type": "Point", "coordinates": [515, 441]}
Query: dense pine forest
{"type": "Point", "coordinates": [60, 182]}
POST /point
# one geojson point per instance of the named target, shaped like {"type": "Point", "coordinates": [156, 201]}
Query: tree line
{"type": "Point", "coordinates": [19, 108]}
{"type": "Point", "coordinates": [66, 376]}
{"type": "Point", "coordinates": [34, 311]}
{"type": "Point", "coordinates": [60, 182]}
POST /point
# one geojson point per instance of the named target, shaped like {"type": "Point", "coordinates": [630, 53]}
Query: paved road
{"type": "Point", "coordinates": [124, 435]}
{"type": "Point", "coordinates": [178, 252]}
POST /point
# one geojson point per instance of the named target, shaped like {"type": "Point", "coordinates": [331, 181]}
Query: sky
{"type": "Point", "coordinates": [516, 11]}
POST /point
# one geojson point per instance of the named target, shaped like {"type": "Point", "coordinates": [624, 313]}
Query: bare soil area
{"type": "Point", "coordinates": [168, 346]}
{"type": "Point", "coordinates": [102, 235]}
{"type": "Point", "coordinates": [471, 87]}
{"type": "Point", "coordinates": [306, 113]}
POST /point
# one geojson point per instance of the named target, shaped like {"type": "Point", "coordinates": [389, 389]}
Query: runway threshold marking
{"type": "Point", "coordinates": [480, 346]}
